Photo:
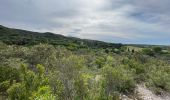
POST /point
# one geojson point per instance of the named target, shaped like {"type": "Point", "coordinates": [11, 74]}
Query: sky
{"type": "Point", "coordinates": [117, 21]}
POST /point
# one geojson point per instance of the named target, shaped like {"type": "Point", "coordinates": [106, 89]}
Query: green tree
{"type": "Point", "coordinates": [157, 49]}
{"type": "Point", "coordinates": [148, 51]}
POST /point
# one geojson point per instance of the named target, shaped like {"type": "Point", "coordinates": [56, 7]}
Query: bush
{"type": "Point", "coordinates": [56, 85]}
{"type": "Point", "coordinates": [31, 83]}
{"type": "Point", "coordinates": [4, 86]}
{"type": "Point", "coordinates": [117, 79]}
{"type": "Point", "coordinates": [148, 52]}
{"type": "Point", "coordinates": [44, 93]}
{"type": "Point", "coordinates": [157, 49]}
{"type": "Point", "coordinates": [9, 73]}
{"type": "Point", "coordinates": [17, 92]}
{"type": "Point", "coordinates": [139, 70]}
{"type": "Point", "coordinates": [159, 79]}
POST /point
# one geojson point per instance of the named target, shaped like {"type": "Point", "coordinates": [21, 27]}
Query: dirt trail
{"type": "Point", "coordinates": [145, 94]}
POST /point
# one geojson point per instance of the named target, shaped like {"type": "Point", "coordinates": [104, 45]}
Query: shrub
{"type": "Point", "coordinates": [31, 83]}
{"type": "Point", "coordinates": [44, 93]}
{"type": "Point", "coordinates": [159, 79]}
{"type": "Point", "coordinates": [148, 52]}
{"type": "Point", "coordinates": [9, 74]}
{"type": "Point", "coordinates": [157, 49]}
{"type": "Point", "coordinates": [17, 92]}
{"type": "Point", "coordinates": [4, 86]}
{"type": "Point", "coordinates": [56, 85]}
{"type": "Point", "coordinates": [117, 79]}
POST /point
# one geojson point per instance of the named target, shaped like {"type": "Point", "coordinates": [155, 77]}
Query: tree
{"type": "Point", "coordinates": [157, 49]}
{"type": "Point", "coordinates": [148, 51]}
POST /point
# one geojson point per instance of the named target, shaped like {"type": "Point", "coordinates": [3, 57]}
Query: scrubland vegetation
{"type": "Point", "coordinates": [46, 72]}
{"type": "Point", "coordinates": [55, 72]}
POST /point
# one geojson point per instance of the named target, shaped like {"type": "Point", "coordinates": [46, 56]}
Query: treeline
{"type": "Point", "coordinates": [22, 37]}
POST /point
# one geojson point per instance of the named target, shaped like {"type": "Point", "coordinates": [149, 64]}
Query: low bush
{"type": "Point", "coordinates": [117, 79]}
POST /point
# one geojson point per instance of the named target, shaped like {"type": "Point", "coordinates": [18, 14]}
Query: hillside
{"type": "Point", "coordinates": [23, 37]}
{"type": "Point", "coordinates": [47, 66]}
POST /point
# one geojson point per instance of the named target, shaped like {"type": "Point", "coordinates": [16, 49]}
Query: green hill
{"type": "Point", "coordinates": [22, 37]}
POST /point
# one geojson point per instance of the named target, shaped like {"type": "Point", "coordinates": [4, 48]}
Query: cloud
{"type": "Point", "coordinates": [127, 21]}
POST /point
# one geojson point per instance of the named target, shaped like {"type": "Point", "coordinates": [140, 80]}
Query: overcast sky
{"type": "Point", "coordinates": [120, 21]}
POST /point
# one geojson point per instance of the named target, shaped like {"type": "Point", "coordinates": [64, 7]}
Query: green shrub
{"type": "Point", "coordinates": [4, 86]}
{"type": "Point", "coordinates": [159, 79]}
{"type": "Point", "coordinates": [117, 79]}
{"type": "Point", "coordinates": [31, 83]}
{"type": "Point", "coordinates": [157, 49]}
{"type": "Point", "coordinates": [44, 93]}
{"type": "Point", "coordinates": [56, 85]}
{"type": "Point", "coordinates": [8, 73]}
{"type": "Point", "coordinates": [148, 51]}
{"type": "Point", "coordinates": [17, 92]}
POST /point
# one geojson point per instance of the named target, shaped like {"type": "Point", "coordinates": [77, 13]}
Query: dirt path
{"type": "Point", "coordinates": [145, 94]}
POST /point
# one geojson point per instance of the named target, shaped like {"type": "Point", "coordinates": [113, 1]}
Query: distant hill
{"type": "Point", "coordinates": [22, 37]}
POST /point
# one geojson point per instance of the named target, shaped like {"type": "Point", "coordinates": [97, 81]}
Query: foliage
{"type": "Point", "coordinates": [148, 52]}
{"type": "Point", "coordinates": [157, 49]}
{"type": "Point", "coordinates": [7, 76]}
{"type": "Point", "coordinates": [8, 73]}
{"type": "Point", "coordinates": [22, 37]}
{"type": "Point", "coordinates": [117, 79]}
{"type": "Point", "coordinates": [78, 73]}
{"type": "Point", "coordinates": [159, 79]}
{"type": "Point", "coordinates": [32, 86]}
{"type": "Point", "coordinates": [44, 93]}
{"type": "Point", "coordinates": [4, 86]}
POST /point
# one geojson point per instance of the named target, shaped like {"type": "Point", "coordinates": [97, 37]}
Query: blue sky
{"type": "Point", "coordinates": [120, 21]}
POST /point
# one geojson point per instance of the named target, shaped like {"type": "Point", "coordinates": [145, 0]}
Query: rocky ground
{"type": "Point", "coordinates": [145, 94]}
{"type": "Point", "coordinates": [142, 93]}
